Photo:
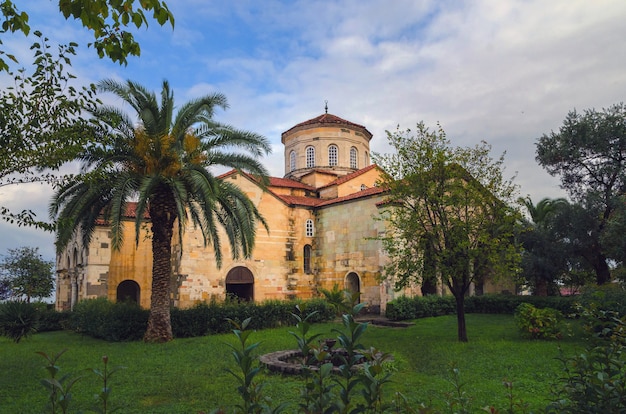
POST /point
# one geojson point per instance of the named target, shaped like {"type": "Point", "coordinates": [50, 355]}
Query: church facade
{"type": "Point", "coordinates": [322, 232]}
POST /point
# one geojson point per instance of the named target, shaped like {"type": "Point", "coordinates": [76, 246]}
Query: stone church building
{"type": "Point", "coordinates": [322, 232]}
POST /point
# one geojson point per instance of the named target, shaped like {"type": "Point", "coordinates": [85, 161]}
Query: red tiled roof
{"type": "Point", "coordinates": [328, 119]}
{"type": "Point", "coordinates": [273, 181]}
{"type": "Point", "coordinates": [320, 171]}
{"type": "Point", "coordinates": [130, 212]}
{"type": "Point", "coordinates": [359, 194]}
{"type": "Point", "coordinates": [350, 176]}
{"type": "Point", "coordinates": [300, 200]}
{"type": "Point", "coordinates": [288, 183]}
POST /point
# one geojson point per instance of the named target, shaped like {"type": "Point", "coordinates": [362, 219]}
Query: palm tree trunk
{"type": "Point", "coordinates": [162, 216]}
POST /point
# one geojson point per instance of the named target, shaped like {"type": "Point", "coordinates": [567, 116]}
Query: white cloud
{"type": "Point", "coordinates": [503, 71]}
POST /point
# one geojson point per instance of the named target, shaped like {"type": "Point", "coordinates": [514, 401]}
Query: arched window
{"type": "Point", "coordinates": [292, 161]}
{"type": "Point", "coordinates": [307, 259]}
{"type": "Point", "coordinates": [353, 158]}
{"type": "Point", "coordinates": [332, 155]}
{"type": "Point", "coordinates": [363, 187]}
{"type": "Point", "coordinates": [366, 160]}
{"type": "Point", "coordinates": [309, 228]}
{"type": "Point", "coordinates": [310, 157]}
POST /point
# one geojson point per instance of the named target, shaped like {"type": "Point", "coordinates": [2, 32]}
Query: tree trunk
{"type": "Point", "coordinates": [603, 273]}
{"type": "Point", "coordinates": [541, 287]}
{"type": "Point", "coordinates": [159, 323]}
{"type": "Point", "coordinates": [460, 316]}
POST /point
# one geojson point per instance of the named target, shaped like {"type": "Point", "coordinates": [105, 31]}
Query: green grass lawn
{"type": "Point", "coordinates": [189, 375]}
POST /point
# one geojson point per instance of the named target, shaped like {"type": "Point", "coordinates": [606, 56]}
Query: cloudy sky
{"type": "Point", "coordinates": [503, 71]}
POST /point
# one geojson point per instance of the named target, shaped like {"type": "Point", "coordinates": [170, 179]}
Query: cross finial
{"type": "Point", "coordinates": [326, 106]}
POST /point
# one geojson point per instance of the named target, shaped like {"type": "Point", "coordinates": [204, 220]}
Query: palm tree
{"type": "Point", "coordinates": [162, 161]}
{"type": "Point", "coordinates": [544, 259]}
{"type": "Point", "coordinates": [540, 213]}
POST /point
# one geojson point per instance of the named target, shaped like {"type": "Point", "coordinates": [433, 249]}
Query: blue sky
{"type": "Point", "coordinates": [503, 71]}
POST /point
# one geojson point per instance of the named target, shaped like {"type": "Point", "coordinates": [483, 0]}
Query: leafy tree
{"type": "Point", "coordinates": [163, 162]}
{"type": "Point", "coordinates": [544, 258]}
{"type": "Point", "coordinates": [26, 274]}
{"type": "Point", "coordinates": [578, 227]}
{"type": "Point", "coordinates": [106, 19]}
{"type": "Point", "coordinates": [41, 123]}
{"type": "Point", "coordinates": [456, 200]}
{"type": "Point", "coordinates": [588, 152]}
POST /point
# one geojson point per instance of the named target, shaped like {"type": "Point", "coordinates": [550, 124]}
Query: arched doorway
{"type": "Point", "coordinates": [240, 283]}
{"type": "Point", "coordinates": [128, 291]}
{"type": "Point", "coordinates": [353, 284]}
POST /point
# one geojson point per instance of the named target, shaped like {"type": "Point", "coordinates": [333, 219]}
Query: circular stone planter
{"type": "Point", "coordinates": [281, 361]}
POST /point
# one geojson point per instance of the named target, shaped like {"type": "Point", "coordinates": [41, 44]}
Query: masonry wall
{"type": "Point", "coordinates": [275, 262]}
{"type": "Point", "coordinates": [132, 262]}
{"type": "Point", "coordinates": [346, 244]}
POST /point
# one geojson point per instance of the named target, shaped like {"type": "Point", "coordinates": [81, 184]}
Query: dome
{"type": "Point", "coordinates": [326, 120]}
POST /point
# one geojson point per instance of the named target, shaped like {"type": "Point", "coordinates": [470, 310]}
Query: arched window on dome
{"type": "Point", "coordinates": [353, 158]}
{"type": "Point", "coordinates": [310, 157]}
{"type": "Point", "coordinates": [292, 161]}
{"type": "Point", "coordinates": [309, 228]}
{"type": "Point", "coordinates": [332, 155]}
{"type": "Point", "coordinates": [366, 160]}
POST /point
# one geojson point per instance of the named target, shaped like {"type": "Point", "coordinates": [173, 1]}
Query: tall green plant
{"type": "Point", "coordinates": [251, 392]}
{"type": "Point", "coordinates": [303, 340]}
{"type": "Point", "coordinates": [59, 386]}
{"type": "Point", "coordinates": [349, 377]}
{"type": "Point", "coordinates": [595, 380]}
{"type": "Point", "coordinates": [103, 397]}
{"type": "Point", "coordinates": [18, 320]}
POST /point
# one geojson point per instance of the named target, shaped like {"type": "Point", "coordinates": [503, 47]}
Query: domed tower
{"type": "Point", "coordinates": [326, 143]}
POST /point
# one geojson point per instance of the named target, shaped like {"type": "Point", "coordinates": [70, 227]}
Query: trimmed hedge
{"type": "Point", "coordinates": [119, 322]}
{"type": "Point", "coordinates": [610, 297]}
{"type": "Point", "coordinates": [211, 318]}
{"type": "Point", "coordinates": [110, 321]}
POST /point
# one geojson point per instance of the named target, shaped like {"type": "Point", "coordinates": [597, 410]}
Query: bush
{"type": "Point", "coordinates": [110, 321]}
{"type": "Point", "coordinates": [51, 320]}
{"type": "Point", "coordinates": [18, 320]}
{"type": "Point", "coordinates": [595, 381]}
{"type": "Point", "coordinates": [608, 297]}
{"type": "Point", "coordinates": [211, 318]}
{"type": "Point", "coordinates": [538, 323]}
{"type": "Point", "coordinates": [415, 307]}
{"type": "Point", "coordinates": [404, 307]}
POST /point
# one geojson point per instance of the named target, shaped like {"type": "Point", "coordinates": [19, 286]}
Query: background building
{"type": "Point", "coordinates": [322, 232]}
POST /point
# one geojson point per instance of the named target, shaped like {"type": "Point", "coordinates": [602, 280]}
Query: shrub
{"type": "Point", "coordinates": [110, 321]}
{"type": "Point", "coordinates": [213, 317]}
{"type": "Point", "coordinates": [18, 320]}
{"type": "Point", "coordinates": [415, 307]}
{"type": "Point", "coordinates": [538, 323]}
{"type": "Point", "coordinates": [595, 381]}
{"type": "Point", "coordinates": [51, 320]}
{"type": "Point", "coordinates": [608, 297]}
{"type": "Point", "coordinates": [400, 309]}
{"type": "Point", "coordinates": [404, 307]}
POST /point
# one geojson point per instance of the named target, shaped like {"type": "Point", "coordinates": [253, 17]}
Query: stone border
{"type": "Point", "coordinates": [275, 361]}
